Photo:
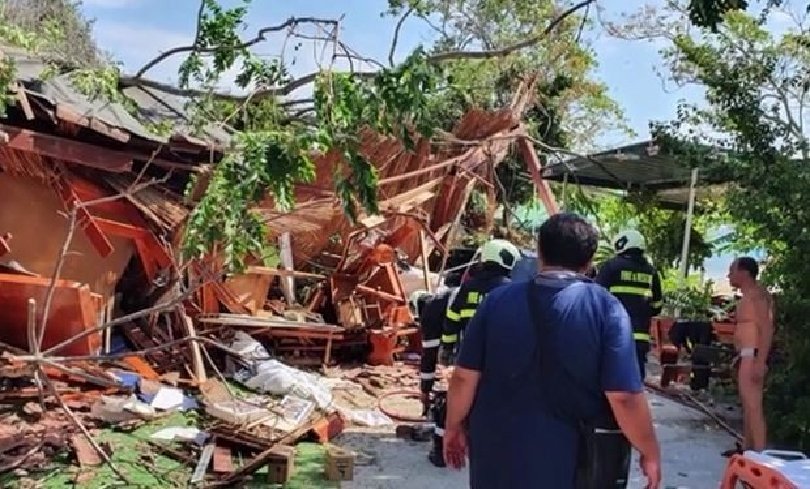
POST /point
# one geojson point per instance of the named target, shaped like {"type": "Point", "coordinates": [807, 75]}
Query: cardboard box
{"type": "Point", "coordinates": [281, 465]}
{"type": "Point", "coordinates": [339, 464]}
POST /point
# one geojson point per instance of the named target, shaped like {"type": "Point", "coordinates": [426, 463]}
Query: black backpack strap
{"type": "Point", "coordinates": [546, 356]}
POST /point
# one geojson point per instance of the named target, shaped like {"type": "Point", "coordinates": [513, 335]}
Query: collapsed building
{"type": "Point", "coordinates": [343, 285]}
{"type": "Point", "coordinates": [92, 212]}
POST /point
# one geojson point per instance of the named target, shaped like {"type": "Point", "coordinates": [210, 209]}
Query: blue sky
{"type": "Point", "coordinates": [134, 31]}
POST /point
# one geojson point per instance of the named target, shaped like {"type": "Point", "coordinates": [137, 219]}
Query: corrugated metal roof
{"type": "Point", "coordinates": [153, 106]}
{"type": "Point", "coordinates": [637, 166]}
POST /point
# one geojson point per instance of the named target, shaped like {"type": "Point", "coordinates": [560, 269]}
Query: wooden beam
{"type": "Point", "coordinates": [543, 190]}
{"type": "Point", "coordinates": [120, 229]}
{"type": "Point", "coordinates": [256, 270]}
{"type": "Point", "coordinates": [363, 289]}
{"type": "Point", "coordinates": [67, 150]}
{"type": "Point", "coordinates": [23, 101]}
{"type": "Point", "coordinates": [288, 282]}
{"type": "Point", "coordinates": [423, 250]}
{"type": "Point", "coordinates": [198, 366]}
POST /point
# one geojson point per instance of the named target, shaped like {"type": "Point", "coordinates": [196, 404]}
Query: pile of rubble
{"type": "Point", "coordinates": [103, 325]}
{"type": "Point", "coordinates": [230, 427]}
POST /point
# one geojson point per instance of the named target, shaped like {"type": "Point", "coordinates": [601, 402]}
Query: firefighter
{"type": "Point", "coordinates": [496, 259]}
{"type": "Point", "coordinates": [635, 282]}
{"type": "Point", "coordinates": [431, 311]}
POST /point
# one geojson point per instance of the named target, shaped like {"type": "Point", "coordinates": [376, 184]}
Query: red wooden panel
{"type": "Point", "coordinates": [72, 311]}
{"type": "Point", "coordinates": [67, 149]}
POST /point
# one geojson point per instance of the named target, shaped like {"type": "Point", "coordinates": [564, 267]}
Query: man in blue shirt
{"type": "Point", "coordinates": [500, 406]}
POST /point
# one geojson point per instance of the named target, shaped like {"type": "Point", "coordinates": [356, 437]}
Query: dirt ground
{"type": "Point", "coordinates": [691, 449]}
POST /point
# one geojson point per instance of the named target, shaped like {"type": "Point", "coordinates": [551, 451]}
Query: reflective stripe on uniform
{"type": "Point", "coordinates": [449, 338]}
{"type": "Point", "coordinates": [640, 277]}
{"type": "Point", "coordinates": [453, 316]}
{"type": "Point", "coordinates": [625, 289]}
{"type": "Point", "coordinates": [427, 376]}
{"type": "Point", "coordinates": [473, 298]}
{"type": "Point", "coordinates": [431, 343]}
{"type": "Point", "coordinates": [466, 313]}
{"type": "Point", "coordinates": [641, 336]}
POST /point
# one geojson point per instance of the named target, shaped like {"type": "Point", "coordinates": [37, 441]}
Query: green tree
{"type": "Point", "coordinates": [275, 137]}
{"type": "Point", "coordinates": [573, 108]}
{"type": "Point", "coordinates": [757, 93]}
{"type": "Point", "coordinates": [53, 27]}
{"type": "Point", "coordinates": [710, 13]}
{"type": "Point", "coordinates": [663, 229]}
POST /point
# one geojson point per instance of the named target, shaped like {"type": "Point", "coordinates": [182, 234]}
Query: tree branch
{"type": "Point", "coordinates": [499, 53]}
{"type": "Point", "coordinates": [283, 90]}
{"type": "Point", "coordinates": [131, 81]}
{"type": "Point", "coordinates": [395, 41]}
{"type": "Point", "coordinates": [260, 36]}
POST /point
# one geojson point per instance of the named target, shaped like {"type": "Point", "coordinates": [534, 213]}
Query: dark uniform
{"type": "Point", "coordinates": [636, 283]}
{"type": "Point", "coordinates": [469, 296]}
{"type": "Point", "coordinates": [431, 318]}
{"type": "Point", "coordinates": [432, 313]}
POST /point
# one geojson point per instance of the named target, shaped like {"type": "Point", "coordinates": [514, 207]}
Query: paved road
{"type": "Point", "coordinates": [691, 450]}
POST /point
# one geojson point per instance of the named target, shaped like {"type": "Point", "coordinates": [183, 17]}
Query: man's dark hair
{"type": "Point", "coordinates": [567, 240]}
{"type": "Point", "coordinates": [749, 265]}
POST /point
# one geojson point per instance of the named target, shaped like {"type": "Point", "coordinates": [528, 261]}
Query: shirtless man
{"type": "Point", "coordinates": [752, 338]}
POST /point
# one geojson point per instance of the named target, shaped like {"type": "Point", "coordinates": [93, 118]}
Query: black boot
{"type": "Point", "coordinates": [436, 455]}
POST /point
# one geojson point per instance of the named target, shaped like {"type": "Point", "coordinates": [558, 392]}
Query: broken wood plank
{"type": "Point", "coordinates": [85, 453]}
{"type": "Point", "coordinates": [257, 463]}
{"type": "Point", "coordinates": [172, 453]}
{"type": "Point", "coordinates": [260, 322]}
{"type": "Point", "coordinates": [22, 98]}
{"type": "Point", "coordinates": [380, 294]}
{"type": "Point", "coordinates": [202, 464]}
{"type": "Point", "coordinates": [541, 186]}
{"type": "Point", "coordinates": [84, 220]}
{"type": "Point", "coordinates": [196, 354]}
{"type": "Point", "coordinates": [141, 367]}
{"type": "Point", "coordinates": [67, 150]}
{"type": "Point", "coordinates": [223, 462]}
{"type": "Point", "coordinates": [286, 255]}
{"type": "Point", "coordinates": [283, 273]}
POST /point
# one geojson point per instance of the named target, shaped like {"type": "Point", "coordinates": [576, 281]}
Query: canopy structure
{"type": "Point", "coordinates": [639, 166]}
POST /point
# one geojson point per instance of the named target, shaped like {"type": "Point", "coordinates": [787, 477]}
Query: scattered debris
{"type": "Point", "coordinates": [339, 464]}
{"type": "Point", "coordinates": [106, 330]}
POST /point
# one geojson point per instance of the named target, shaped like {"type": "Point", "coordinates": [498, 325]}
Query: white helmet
{"type": "Point", "coordinates": [414, 300]}
{"type": "Point", "coordinates": [628, 240]}
{"type": "Point", "coordinates": [501, 252]}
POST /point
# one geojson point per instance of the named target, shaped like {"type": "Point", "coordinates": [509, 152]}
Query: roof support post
{"type": "Point", "coordinates": [687, 232]}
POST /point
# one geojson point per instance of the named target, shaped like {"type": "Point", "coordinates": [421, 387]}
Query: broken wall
{"type": "Point", "coordinates": [30, 211]}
